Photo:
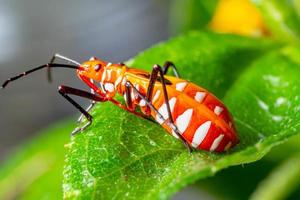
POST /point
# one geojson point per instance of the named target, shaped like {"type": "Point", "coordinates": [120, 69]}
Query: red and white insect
{"type": "Point", "coordinates": [188, 112]}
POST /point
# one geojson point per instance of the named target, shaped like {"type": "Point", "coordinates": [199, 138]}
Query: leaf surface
{"type": "Point", "coordinates": [122, 156]}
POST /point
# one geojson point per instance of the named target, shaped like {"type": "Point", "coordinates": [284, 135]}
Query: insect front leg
{"type": "Point", "coordinates": [65, 90]}
{"type": "Point", "coordinates": [166, 68]}
{"type": "Point", "coordinates": [88, 109]}
{"type": "Point", "coordinates": [92, 104]}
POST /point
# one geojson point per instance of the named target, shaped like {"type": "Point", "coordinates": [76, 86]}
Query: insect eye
{"type": "Point", "coordinates": [97, 67]}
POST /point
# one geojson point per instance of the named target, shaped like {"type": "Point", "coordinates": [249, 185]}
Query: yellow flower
{"type": "Point", "coordinates": [239, 17]}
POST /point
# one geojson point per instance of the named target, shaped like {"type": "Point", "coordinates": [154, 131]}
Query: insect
{"type": "Point", "coordinates": [190, 113]}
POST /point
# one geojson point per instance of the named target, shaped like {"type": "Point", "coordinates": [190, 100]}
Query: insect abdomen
{"type": "Point", "coordinates": [201, 118]}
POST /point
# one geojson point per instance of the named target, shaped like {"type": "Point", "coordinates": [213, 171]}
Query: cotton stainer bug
{"type": "Point", "coordinates": [188, 112]}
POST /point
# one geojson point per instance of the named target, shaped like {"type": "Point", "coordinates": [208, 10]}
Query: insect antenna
{"type": "Point", "coordinates": [49, 65]}
{"type": "Point", "coordinates": [55, 56]}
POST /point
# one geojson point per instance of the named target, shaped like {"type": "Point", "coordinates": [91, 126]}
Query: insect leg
{"type": "Point", "coordinates": [65, 90]}
{"type": "Point", "coordinates": [128, 96]}
{"type": "Point", "coordinates": [89, 108]}
{"type": "Point", "coordinates": [120, 105]}
{"type": "Point", "coordinates": [170, 118]}
{"type": "Point", "coordinates": [153, 77]}
{"type": "Point", "coordinates": [169, 121]}
{"type": "Point", "coordinates": [157, 69]}
{"type": "Point", "coordinates": [92, 104]}
{"type": "Point", "coordinates": [166, 68]}
{"type": "Point", "coordinates": [129, 104]}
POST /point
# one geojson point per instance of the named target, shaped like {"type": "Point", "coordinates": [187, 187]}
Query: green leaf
{"type": "Point", "coordinates": [282, 18]}
{"type": "Point", "coordinates": [34, 171]}
{"type": "Point", "coordinates": [122, 156]}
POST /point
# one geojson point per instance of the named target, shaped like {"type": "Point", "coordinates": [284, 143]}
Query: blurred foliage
{"type": "Point", "coordinates": [34, 170]}
{"type": "Point", "coordinates": [282, 18]}
{"type": "Point", "coordinates": [287, 179]}
{"type": "Point", "coordinates": [257, 79]}
{"type": "Point", "coordinates": [190, 15]}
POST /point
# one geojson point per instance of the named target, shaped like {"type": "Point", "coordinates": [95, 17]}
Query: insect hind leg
{"type": "Point", "coordinates": [153, 78]}
{"type": "Point", "coordinates": [166, 67]}
{"type": "Point", "coordinates": [168, 121]}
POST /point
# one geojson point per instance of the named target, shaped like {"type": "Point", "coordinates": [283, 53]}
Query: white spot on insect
{"type": "Point", "coordinates": [142, 103]}
{"type": "Point", "coordinates": [164, 112]}
{"type": "Point", "coordinates": [124, 81]}
{"type": "Point", "coordinates": [108, 64]}
{"type": "Point", "coordinates": [102, 87]}
{"type": "Point", "coordinates": [109, 87]}
{"type": "Point", "coordinates": [180, 86]}
{"type": "Point", "coordinates": [157, 93]}
{"type": "Point", "coordinates": [201, 133]}
{"type": "Point", "coordinates": [118, 81]}
{"type": "Point", "coordinates": [216, 142]}
{"type": "Point", "coordinates": [228, 145]}
{"type": "Point", "coordinates": [108, 74]}
{"type": "Point", "coordinates": [218, 110]}
{"type": "Point", "coordinates": [183, 120]}
{"type": "Point", "coordinates": [103, 76]}
{"type": "Point", "coordinates": [92, 90]}
{"type": "Point", "coordinates": [92, 58]}
{"type": "Point", "coordinates": [172, 102]}
{"type": "Point", "coordinates": [199, 96]}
